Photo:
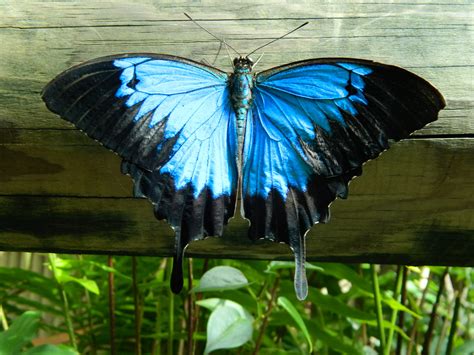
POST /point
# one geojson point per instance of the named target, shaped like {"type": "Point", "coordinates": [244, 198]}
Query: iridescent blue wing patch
{"type": "Point", "coordinates": [171, 121]}
{"type": "Point", "coordinates": [313, 124]}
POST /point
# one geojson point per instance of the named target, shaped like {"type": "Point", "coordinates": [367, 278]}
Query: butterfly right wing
{"type": "Point", "coordinates": [171, 121]}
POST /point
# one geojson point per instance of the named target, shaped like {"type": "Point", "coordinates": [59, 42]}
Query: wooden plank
{"type": "Point", "coordinates": [363, 230]}
{"type": "Point", "coordinates": [60, 191]}
{"type": "Point", "coordinates": [408, 206]}
{"type": "Point", "coordinates": [409, 35]}
{"type": "Point", "coordinates": [67, 163]}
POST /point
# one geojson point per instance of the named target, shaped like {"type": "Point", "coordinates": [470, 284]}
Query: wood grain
{"type": "Point", "coordinates": [60, 191]}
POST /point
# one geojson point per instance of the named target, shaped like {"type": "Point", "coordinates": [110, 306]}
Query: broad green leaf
{"type": "Point", "coordinates": [48, 349]}
{"type": "Point", "coordinates": [212, 303]}
{"type": "Point", "coordinates": [229, 326]}
{"type": "Point", "coordinates": [21, 332]}
{"type": "Point", "coordinates": [292, 311]}
{"type": "Point", "coordinates": [221, 278]}
{"type": "Point", "coordinates": [277, 265]}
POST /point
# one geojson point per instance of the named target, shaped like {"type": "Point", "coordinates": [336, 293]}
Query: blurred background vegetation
{"type": "Point", "coordinates": [66, 304]}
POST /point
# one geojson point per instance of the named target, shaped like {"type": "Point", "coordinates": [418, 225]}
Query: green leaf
{"type": "Point", "coordinates": [221, 278]}
{"type": "Point", "coordinates": [277, 265]}
{"type": "Point", "coordinates": [388, 325]}
{"type": "Point", "coordinates": [90, 285]}
{"type": "Point", "coordinates": [288, 306]}
{"type": "Point", "coordinates": [229, 326]}
{"type": "Point", "coordinates": [466, 348]}
{"type": "Point", "coordinates": [212, 303]}
{"type": "Point", "coordinates": [341, 271]}
{"type": "Point", "coordinates": [394, 304]}
{"type": "Point", "coordinates": [48, 349]}
{"type": "Point", "coordinates": [21, 332]}
{"type": "Point", "coordinates": [333, 339]}
{"type": "Point", "coordinates": [331, 303]}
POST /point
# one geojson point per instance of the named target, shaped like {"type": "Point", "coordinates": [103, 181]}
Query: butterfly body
{"type": "Point", "coordinates": [241, 86]}
{"type": "Point", "coordinates": [286, 141]}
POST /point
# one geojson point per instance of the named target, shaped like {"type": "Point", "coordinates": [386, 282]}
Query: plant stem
{"type": "Point", "coordinates": [190, 322]}
{"type": "Point", "coordinates": [90, 323]}
{"type": "Point", "coordinates": [393, 319]}
{"type": "Point", "coordinates": [413, 333]}
{"type": "Point", "coordinates": [136, 303]}
{"type": "Point", "coordinates": [3, 318]}
{"type": "Point", "coordinates": [429, 332]}
{"type": "Point", "coordinates": [378, 307]}
{"type": "Point", "coordinates": [457, 306]}
{"type": "Point", "coordinates": [156, 347]}
{"type": "Point", "coordinates": [170, 314]}
{"type": "Point", "coordinates": [62, 293]}
{"type": "Point", "coordinates": [271, 302]}
{"type": "Point", "coordinates": [401, 315]}
{"type": "Point", "coordinates": [199, 296]}
{"type": "Point", "coordinates": [110, 263]}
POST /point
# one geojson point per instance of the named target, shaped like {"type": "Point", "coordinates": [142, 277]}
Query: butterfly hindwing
{"type": "Point", "coordinates": [171, 121]}
{"type": "Point", "coordinates": [313, 124]}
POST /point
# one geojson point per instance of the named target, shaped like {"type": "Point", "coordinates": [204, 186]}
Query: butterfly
{"type": "Point", "coordinates": [285, 142]}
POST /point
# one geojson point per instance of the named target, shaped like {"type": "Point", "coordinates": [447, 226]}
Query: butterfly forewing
{"type": "Point", "coordinates": [171, 121]}
{"type": "Point", "coordinates": [313, 124]}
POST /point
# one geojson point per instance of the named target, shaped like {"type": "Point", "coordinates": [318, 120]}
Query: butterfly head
{"type": "Point", "coordinates": [243, 64]}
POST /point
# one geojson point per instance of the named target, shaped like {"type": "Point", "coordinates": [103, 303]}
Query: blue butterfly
{"type": "Point", "coordinates": [286, 141]}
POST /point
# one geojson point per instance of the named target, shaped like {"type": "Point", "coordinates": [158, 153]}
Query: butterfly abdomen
{"type": "Point", "coordinates": [241, 84]}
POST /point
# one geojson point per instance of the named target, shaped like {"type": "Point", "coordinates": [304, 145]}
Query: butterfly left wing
{"type": "Point", "coordinates": [171, 121]}
{"type": "Point", "coordinates": [313, 124]}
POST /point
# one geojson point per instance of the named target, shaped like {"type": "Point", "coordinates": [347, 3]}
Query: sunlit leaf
{"type": "Point", "coordinates": [48, 349]}
{"type": "Point", "coordinates": [278, 265]}
{"type": "Point", "coordinates": [212, 303]}
{"type": "Point", "coordinates": [293, 312]}
{"type": "Point", "coordinates": [90, 285]}
{"type": "Point", "coordinates": [221, 278]}
{"type": "Point", "coordinates": [394, 304]}
{"type": "Point", "coordinates": [229, 326]}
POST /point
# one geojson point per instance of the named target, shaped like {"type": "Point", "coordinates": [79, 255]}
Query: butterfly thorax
{"type": "Point", "coordinates": [241, 84]}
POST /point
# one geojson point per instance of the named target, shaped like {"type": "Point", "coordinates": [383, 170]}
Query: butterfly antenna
{"type": "Point", "coordinates": [276, 39]}
{"type": "Point", "coordinates": [228, 54]}
{"type": "Point", "coordinates": [217, 54]}
{"type": "Point", "coordinates": [212, 34]}
{"type": "Point", "coordinates": [258, 60]}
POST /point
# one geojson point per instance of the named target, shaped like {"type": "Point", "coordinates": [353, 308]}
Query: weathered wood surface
{"type": "Point", "coordinates": [60, 191]}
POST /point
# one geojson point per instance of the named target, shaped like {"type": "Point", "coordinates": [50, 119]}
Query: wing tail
{"type": "Point", "coordinates": [191, 217]}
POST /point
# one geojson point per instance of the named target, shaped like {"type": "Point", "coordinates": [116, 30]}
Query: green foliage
{"type": "Point", "coordinates": [231, 304]}
{"type": "Point", "coordinates": [293, 312]}
{"type": "Point", "coordinates": [221, 278]}
{"type": "Point", "coordinates": [18, 337]}
{"type": "Point", "coordinates": [229, 324]}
